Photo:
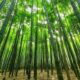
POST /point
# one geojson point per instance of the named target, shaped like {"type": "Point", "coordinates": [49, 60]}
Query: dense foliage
{"type": "Point", "coordinates": [40, 34]}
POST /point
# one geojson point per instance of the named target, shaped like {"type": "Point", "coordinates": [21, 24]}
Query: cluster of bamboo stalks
{"type": "Point", "coordinates": [27, 44]}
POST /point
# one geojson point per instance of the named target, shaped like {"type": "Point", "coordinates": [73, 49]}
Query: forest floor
{"type": "Point", "coordinates": [40, 76]}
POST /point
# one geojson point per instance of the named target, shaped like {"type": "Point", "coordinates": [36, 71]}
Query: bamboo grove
{"type": "Point", "coordinates": [40, 35]}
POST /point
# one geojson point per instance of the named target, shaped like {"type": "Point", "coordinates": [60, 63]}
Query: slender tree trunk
{"type": "Point", "coordinates": [2, 4]}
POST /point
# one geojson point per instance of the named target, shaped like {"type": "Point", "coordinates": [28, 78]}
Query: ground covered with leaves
{"type": "Point", "coordinates": [40, 76]}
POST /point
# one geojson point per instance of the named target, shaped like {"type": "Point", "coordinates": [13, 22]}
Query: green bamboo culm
{"type": "Point", "coordinates": [2, 4]}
